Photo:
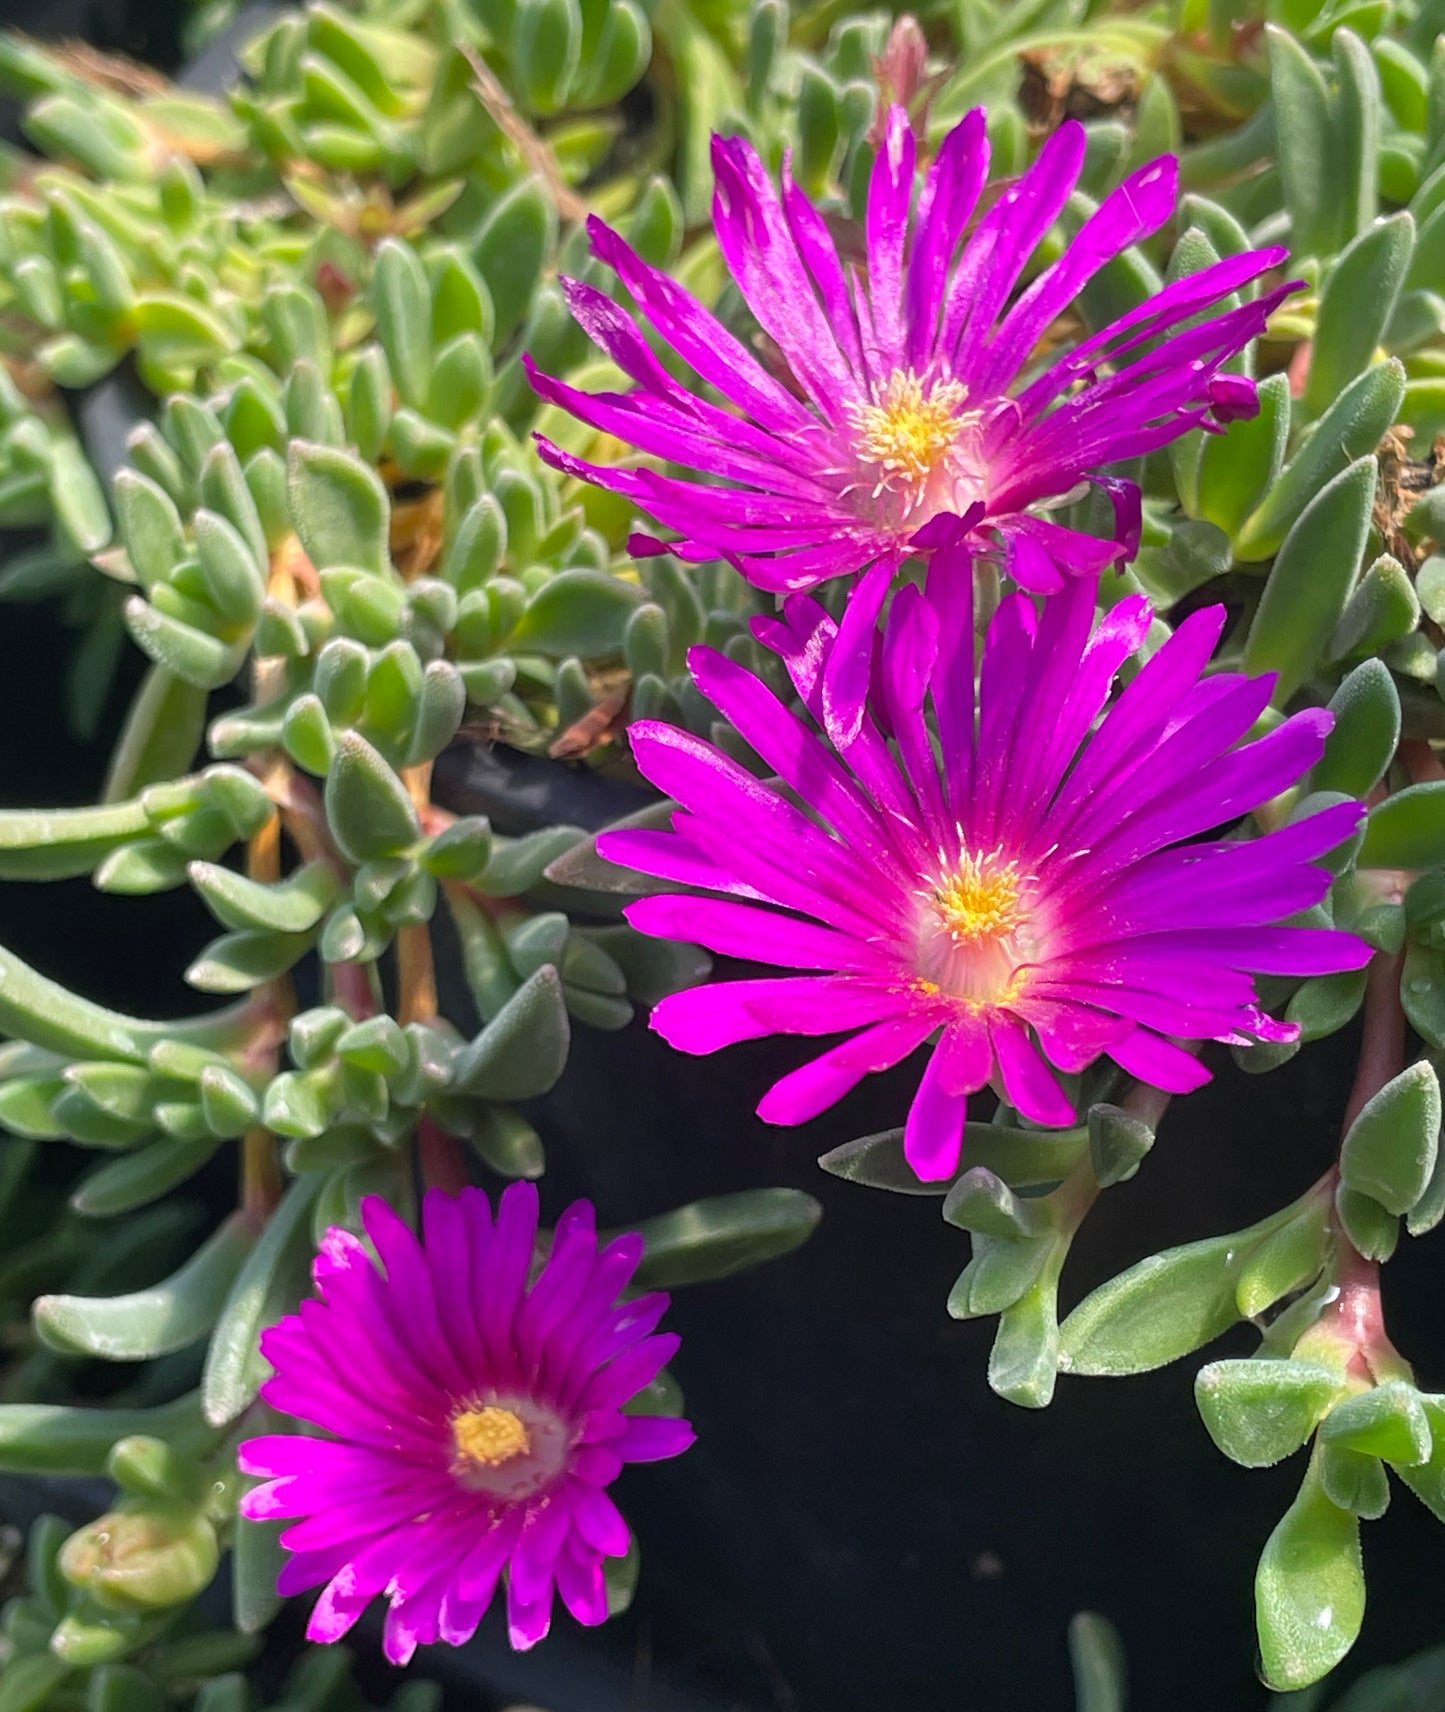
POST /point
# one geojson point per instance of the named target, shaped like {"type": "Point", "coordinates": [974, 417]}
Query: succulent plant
{"type": "Point", "coordinates": [332, 539]}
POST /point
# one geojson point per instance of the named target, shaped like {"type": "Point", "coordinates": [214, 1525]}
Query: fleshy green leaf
{"type": "Point", "coordinates": [1261, 1411]}
{"type": "Point", "coordinates": [1311, 580]}
{"type": "Point", "coordinates": [1388, 1421]}
{"type": "Point", "coordinates": [1309, 1591]}
{"type": "Point", "coordinates": [724, 1234]}
{"type": "Point", "coordinates": [168, 1316]}
{"type": "Point", "coordinates": [1407, 829]}
{"type": "Point", "coordinates": [367, 805]}
{"type": "Point", "coordinates": [268, 1286]}
{"type": "Point", "coordinates": [1390, 1149]}
{"type": "Point", "coordinates": [339, 507]}
{"type": "Point", "coordinates": [523, 1049]}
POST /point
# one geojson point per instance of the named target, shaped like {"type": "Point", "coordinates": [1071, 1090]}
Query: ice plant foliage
{"type": "Point", "coordinates": [913, 396]}
{"type": "Point", "coordinates": [475, 1422]}
{"type": "Point", "coordinates": [1035, 891]}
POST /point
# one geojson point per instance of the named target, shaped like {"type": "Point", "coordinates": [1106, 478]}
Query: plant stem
{"type": "Point", "coordinates": [439, 1155]}
{"type": "Point", "coordinates": [260, 1169]}
{"type": "Point", "coordinates": [1382, 1050]}
{"type": "Point", "coordinates": [1357, 1314]}
{"type": "Point", "coordinates": [260, 1174]}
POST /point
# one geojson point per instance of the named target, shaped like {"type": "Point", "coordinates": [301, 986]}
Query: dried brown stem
{"type": "Point", "coordinates": [532, 148]}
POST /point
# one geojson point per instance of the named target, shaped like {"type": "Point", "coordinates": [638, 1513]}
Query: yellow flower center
{"type": "Point", "coordinates": [490, 1436]}
{"type": "Point", "coordinates": [908, 433]}
{"type": "Point", "coordinates": [977, 932]}
{"type": "Point", "coordinates": [980, 901]}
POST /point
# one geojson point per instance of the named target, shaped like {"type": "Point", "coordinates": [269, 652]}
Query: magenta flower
{"type": "Point", "coordinates": [904, 408]}
{"type": "Point", "coordinates": [1031, 901]}
{"type": "Point", "coordinates": [475, 1423]}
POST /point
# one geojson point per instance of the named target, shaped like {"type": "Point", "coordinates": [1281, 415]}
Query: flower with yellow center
{"type": "Point", "coordinates": [907, 433]}
{"type": "Point", "coordinates": [491, 1436]}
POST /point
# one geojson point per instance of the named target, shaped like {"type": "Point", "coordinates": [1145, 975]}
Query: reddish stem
{"type": "Point", "coordinates": [1382, 1051]}
{"type": "Point", "coordinates": [1357, 1312]}
{"type": "Point", "coordinates": [440, 1157]}
{"type": "Point", "coordinates": [351, 986]}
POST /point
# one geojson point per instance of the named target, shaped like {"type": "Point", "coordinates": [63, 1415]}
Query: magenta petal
{"type": "Point", "coordinates": [816, 1086]}
{"type": "Point", "coordinates": [845, 681]}
{"type": "Point", "coordinates": [1026, 1078]}
{"type": "Point", "coordinates": [1159, 1062]}
{"type": "Point", "coordinates": [933, 1135]}
{"type": "Point", "coordinates": [655, 1438]}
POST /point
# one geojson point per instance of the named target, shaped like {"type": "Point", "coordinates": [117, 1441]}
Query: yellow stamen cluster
{"type": "Point", "coordinates": [980, 901]}
{"type": "Point", "coordinates": [489, 1437]}
{"type": "Point", "coordinates": [908, 432]}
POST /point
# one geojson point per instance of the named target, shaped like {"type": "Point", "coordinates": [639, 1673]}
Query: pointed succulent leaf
{"type": "Point", "coordinates": [1389, 1151]}
{"type": "Point", "coordinates": [377, 1044]}
{"type": "Point", "coordinates": [1118, 1142]}
{"type": "Point", "coordinates": [203, 660]}
{"type": "Point", "coordinates": [440, 710]}
{"type": "Point", "coordinates": [724, 1234]}
{"type": "Point", "coordinates": [1407, 829]}
{"type": "Point", "coordinates": [339, 507]}
{"type": "Point", "coordinates": [1305, 141]}
{"type": "Point", "coordinates": [1369, 1227]}
{"type": "Point", "coordinates": [1323, 1004]}
{"type": "Point", "coordinates": [1356, 304]}
{"type": "Point", "coordinates": [1024, 1363]}
{"type": "Point", "coordinates": [235, 582]}
{"type": "Point", "coordinates": [1100, 1668]}
{"type": "Point", "coordinates": [510, 247]}
{"type": "Point", "coordinates": [1366, 709]}
{"type": "Point", "coordinates": [307, 736]}
{"type": "Point", "coordinates": [267, 1287]}
{"type": "Point", "coordinates": [1383, 608]}
{"type": "Point", "coordinates": [981, 1201]}
{"type": "Point", "coordinates": [51, 1438]}
{"type": "Point", "coordinates": [1158, 1310]}
{"type": "Point", "coordinates": [228, 1100]}
{"type": "Point", "coordinates": [1356, 1482]}
{"type": "Point", "coordinates": [1310, 1589]}
{"type": "Point", "coordinates": [1261, 1411]}
{"type": "Point", "coordinates": [237, 962]}
{"type": "Point", "coordinates": [1430, 1208]}
{"type": "Point", "coordinates": [518, 864]}
{"type": "Point", "coordinates": [402, 302]}
{"type": "Point", "coordinates": [1002, 1271]}
{"type": "Point", "coordinates": [1311, 579]}
{"type": "Point", "coordinates": [461, 851]}
{"type": "Point", "coordinates": [523, 1050]}
{"type": "Point", "coordinates": [168, 1316]}
{"type": "Point", "coordinates": [1425, 1479]}
{"type": "Point", "coordinates": [507, 1143]}
{"type": "Point", "coordinates": [1237, 467]}
{"type": "Point", "coordinates": [292, 905]}
{"type": "Point", "coordinates": [55, 844]}
{"type": "Point", "coordinates": [367, 806]}
{"type": "Point", "coordinates": [1288, 1259]}
{"type": "Point", "coordinates": [1352, 426]}
{"type": "Point", "coordinates": [538, 941]}
{"type": "Point", "coordinates": [1388, 1421]}
{"type": "Point", "coordinates": [150, 526]}
{"type": "Point", "coordinates": [577, 612]}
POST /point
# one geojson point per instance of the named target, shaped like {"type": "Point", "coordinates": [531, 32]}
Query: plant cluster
{"type": "Point", "coordinates": [400, 442]}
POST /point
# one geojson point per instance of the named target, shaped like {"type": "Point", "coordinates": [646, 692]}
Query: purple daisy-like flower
{"type": "Point", "coordinates": [1019, 885]}
{"type": "Point", "coordinates": [908, 410]}
{"type": "Point", "coordinates": [476, 1423]}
